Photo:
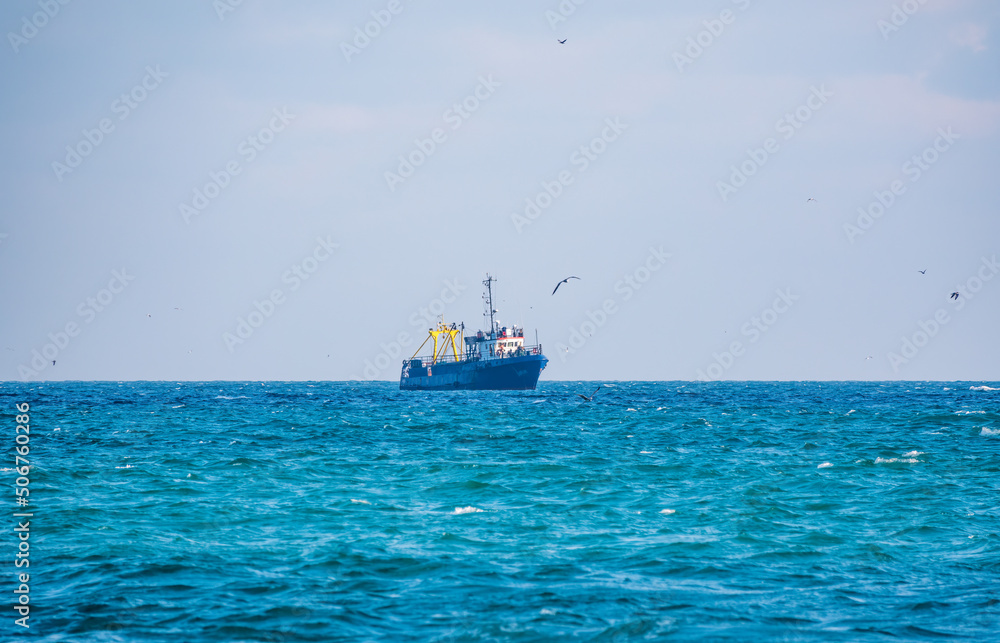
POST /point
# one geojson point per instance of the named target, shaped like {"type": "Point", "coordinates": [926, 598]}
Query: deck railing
{"type": "Point", "coordinates": [429, 360]}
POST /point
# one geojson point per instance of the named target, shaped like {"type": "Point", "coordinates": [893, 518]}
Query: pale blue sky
{"type": "Point", "coordinates": [879, 98]}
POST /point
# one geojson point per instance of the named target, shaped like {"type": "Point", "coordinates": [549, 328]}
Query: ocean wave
{"type": "Point", "coordinates": [983, 388]}
{"type": "Point", "coordinates": [564, 508]}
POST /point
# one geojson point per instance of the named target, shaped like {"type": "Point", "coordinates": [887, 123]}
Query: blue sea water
{"type": "Point", "coordinates": [318, 511]}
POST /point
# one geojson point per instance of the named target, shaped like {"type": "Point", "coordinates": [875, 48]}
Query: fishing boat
{"type": "Point", "coordinates": [496, 359]}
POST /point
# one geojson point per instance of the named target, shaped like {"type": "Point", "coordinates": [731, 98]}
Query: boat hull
{"type": "Point", "coordinates": [507, 374]}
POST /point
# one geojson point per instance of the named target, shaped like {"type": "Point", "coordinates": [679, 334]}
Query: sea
{"type": "Point", "coordinates": [353, 511]}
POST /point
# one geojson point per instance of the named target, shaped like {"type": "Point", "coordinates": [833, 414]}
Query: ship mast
{"type": "Point", "coordinates": [489, 310]}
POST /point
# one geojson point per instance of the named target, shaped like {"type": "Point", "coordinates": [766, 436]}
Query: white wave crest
{"type": "Point", "coordinates": [912, 454]}
{"type": "Point", "coordinates": [825, 465]}
{"type": "Point", "coordinates": [987, 431]}
{"type": "Point", "coordinates": [983, 388]}
{"type": "Point", "coordinates": [891, 460]}
{"type": "Point", "coordinates": [669, 511]}
{"type": "Point", "coordinates": [360, 502]}
{"type": "Point", "coordinates": [467, 510]}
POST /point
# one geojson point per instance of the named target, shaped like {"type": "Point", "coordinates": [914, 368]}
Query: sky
{"type": "Point", "coordinates": [747, 190]}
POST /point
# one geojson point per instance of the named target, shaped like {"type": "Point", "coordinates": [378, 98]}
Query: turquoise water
{"type": "Point", "coordinates": [660, 511]}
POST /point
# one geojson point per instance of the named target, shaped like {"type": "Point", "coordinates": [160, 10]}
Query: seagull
{"type": "Point", "coordinates": [591, 398]}
{"type": "Point", "coordinates": [561, 42]}
{"type": "Point", "coordinates": [811, 199]}
{"type": "Point", "coordinates": [53, 362]}
{"type": "Point", "coordinates": [148, 315]}
{"type": "Point", "coordinates": [868, 358]}
{"type": "Point", "coordinates": [923, 272]}
{"type": "Point", "coordinates": [954, 295]}
{"type": "Point", "coordinates": [562, 282]}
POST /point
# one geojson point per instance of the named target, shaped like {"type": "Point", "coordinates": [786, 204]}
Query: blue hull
{"type": "Point", "coordinates": [507, 374]}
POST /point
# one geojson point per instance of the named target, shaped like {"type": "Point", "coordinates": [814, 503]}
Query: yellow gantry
{"type": "Point", "coordinates": [442, 329]}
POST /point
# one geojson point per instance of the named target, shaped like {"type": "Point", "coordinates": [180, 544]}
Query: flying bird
{"type": "Point", "coordinates": [591, 398]}
{"type": "Point", "coordinates": [561, 42]}
{"type": "Point", "coordinates": [868, 358]}
{"type": "Point", "coordinates": [954, 295]}
{"type": "Point", "coordinates": [811, 199]}
{"type": "Point", "coordinates": [562, 282]}
{"type": "Point", "coordinates": [53, 362]}
{"type": "Point", "coordinates": [923, 272]}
